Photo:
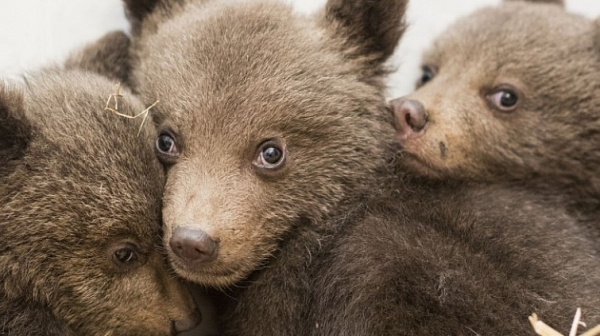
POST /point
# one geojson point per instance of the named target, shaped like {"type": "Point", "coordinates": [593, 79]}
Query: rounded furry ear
{"type": "Point", "coordinates": [138, 10]}
{"type": "Point", "coordinates": [552, 2]}
{"type": "Point", "coordinates": [15, 129]}
{"type": "Point", "coordinates": [368, 29]}
{"type": "Point", "coordinates": [108, 56]}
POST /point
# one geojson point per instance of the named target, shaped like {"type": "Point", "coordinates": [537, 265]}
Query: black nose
{"type": "Point", "coordinates": [188, 323]}
{"type": "Point", "coordinates": [410, 116]}
{"type": "Point", "coordinates": [194, 245]}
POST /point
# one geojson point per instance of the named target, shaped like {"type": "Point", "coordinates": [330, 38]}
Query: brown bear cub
{"type": "Point", "coordinates": [280, 191]}
{"type": "Point", "coordinates": [453, 260]}
{"type": "Point", "coordinates": [510, 93]}
{"type": "Point", "coordinates": [80, 214]}
{"type": "Point", "coordinates": [271, 123]}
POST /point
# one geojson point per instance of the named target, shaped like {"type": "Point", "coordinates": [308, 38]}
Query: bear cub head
{"type": "Point", "coordinates": [507, 93]}
{"type": "Point", "coordinates": [81, 214]}
{"type": "Point", "coordinates": [269, 121]}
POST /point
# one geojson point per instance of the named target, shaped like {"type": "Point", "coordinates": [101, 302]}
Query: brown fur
{"type": "Point", "coordinates": [241, 59]}
{"type": "Point", "coordinates": [77, 184]}
{"type": "Point", "coordinates": [246, 73]}
{"type": "Point", "coordinates": [454, 260]}
{"type": "Point", "coordinates": [551, 139]}
{"type": "Point", "coordinates": [321, 246]}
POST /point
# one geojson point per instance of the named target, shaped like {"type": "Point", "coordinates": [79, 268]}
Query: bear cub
{"type": "Point", "coordinates": [80, 215]}
{"type": "Point", "coordinates": [279, 151]}
{"type": "Point", "coordinates": [510, 93]}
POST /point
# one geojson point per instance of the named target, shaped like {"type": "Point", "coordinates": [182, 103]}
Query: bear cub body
{"type": "Point", "coordinates": [80, 214]}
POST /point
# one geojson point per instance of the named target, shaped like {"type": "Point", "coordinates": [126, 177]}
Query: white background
{"type": "Point", "coordinates": [36, 32]}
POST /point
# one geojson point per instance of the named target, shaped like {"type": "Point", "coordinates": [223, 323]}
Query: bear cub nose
{"type": "Point", "coordinates": [410, 117]}
{"type": "Point", "coordinates": [194, 245]}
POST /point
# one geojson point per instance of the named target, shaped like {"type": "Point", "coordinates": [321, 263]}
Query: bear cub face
{"type": "Point", "coordinates": [507, 92]}
{"type": "Point", "coordinates": [276, 120]}
{"type": "Point", "coordinates": [80, 215]}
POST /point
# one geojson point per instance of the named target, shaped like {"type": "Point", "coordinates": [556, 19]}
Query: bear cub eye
{"type": "Point", "coordinates": [427, 74]}
{"type": "Point", "coordinates": [126, 256]}
{"type": "Point", "coordinates": [504, 100]}
{"type": "Point", "coordinates": [270, 154]}
{"type": "Point", "coordinates": [166, 146]}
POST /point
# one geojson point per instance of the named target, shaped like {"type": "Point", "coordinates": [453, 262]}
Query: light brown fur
{"type": "Point", "coordinates": [239, 60]}
{"type": "Point", "coordinates": [231, 76]}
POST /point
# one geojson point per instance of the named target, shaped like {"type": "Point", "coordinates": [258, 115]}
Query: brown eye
{"type": "Point", "coordinates": [504, 100]}
{"type": "Point", "coordinates": [126, 256]}
{"type": "Point", "coordinates": [427, 74]}
{"type": "Point", "coordinates": [270, 154]}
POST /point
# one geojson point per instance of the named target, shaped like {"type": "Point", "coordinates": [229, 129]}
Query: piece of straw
{"type": "Point", "coordinates": [115, 96]}
{"type": "Point", "coordinates": [542, 329]}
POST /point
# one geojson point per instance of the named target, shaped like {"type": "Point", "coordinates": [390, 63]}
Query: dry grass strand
{"type": "Point", "coordinates": [116, 96]}
{"type": "Point", "coordinates": [542, 329]}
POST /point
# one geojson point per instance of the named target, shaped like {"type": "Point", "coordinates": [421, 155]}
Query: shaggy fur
{"type": "Point", "coordinates": [290, 80]}
{"type": "Point", "coordinates": [246, 74]}
{"type": "Point", "coordinates": [550, 59]}
{"type": "Point", "coordinates": [454, 260]}
{"type": "Point", "coordinates": [78, 187]}
{"type": "Point", "coordinates": [320, 245]}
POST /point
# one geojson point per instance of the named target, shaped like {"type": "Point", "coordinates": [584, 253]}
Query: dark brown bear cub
{"type": "Point", "coordinates": [80, 215]}
{"type": "Point", "coordinates": [510, 93]}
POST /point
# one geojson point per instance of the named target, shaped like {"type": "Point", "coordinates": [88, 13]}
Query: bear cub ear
{"type": "Point", "coordinates": [108, 56]}
{"type": "Point", "coordinates": [137, 10]}
{"type": "Point", "coordinates": [15, 130]}
{"type": "Point", "coordinates": [554, 2]}
{"type": "Point", "coordinates": [370, 29]}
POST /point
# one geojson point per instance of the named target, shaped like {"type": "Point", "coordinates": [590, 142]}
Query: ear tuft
{"type": "Point", "coordinates": [15, 130]}
{"type": "Point", "coordinates": [550, 2]}
{"type": "Point", "coordinates": [369, 29]}
{"type": "Point", "coordinates": [108, 56]}
{"type": "Point", "coordinates": [138, 10]}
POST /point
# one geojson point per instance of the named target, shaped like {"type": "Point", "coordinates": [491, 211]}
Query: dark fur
{"type": "Point", "coordinates": [76, 180]}
{"type": "Point", "coordinates": [454, 260]}
{"type": "Point", "coordinates": [108, 56]}
{"type": "Point", "coordinates": [552, 140]}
